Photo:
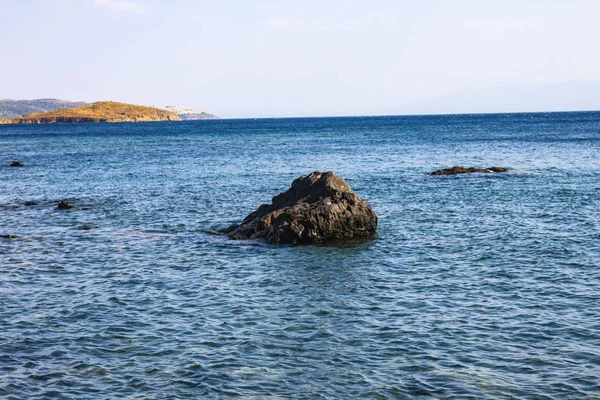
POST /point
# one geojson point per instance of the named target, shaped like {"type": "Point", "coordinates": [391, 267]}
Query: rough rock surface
{"type": "Point", "coordinates": [318, 208]}
{"type": "Point", "coordinates": [462, 170]}
{"type": "Point", "coordinates": [64, 205]}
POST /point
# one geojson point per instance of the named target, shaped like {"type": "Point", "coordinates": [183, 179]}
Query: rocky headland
{"type": "Point", "coordinates": [104, 111]}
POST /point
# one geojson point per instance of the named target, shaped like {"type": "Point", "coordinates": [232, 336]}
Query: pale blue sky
{"type": "Point", "coordinates": [292, 58]}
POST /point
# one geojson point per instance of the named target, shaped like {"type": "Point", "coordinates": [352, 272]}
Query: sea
{"type": "Point", "coordinates": [476, 286]}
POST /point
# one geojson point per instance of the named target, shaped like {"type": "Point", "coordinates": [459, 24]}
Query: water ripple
{"type": "Point", "coordinates": [475, 286]}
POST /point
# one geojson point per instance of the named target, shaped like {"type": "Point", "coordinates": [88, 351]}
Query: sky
{"type": "Point", "coordinates": [242, 58]}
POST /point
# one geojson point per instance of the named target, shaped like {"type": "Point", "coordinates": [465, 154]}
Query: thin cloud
{"type": "Point", "coordinates": [504, 24]}
{"type": "Point", "coordinates": [278, 22]}
{"type": "Point", "coordinates": [123, 6]}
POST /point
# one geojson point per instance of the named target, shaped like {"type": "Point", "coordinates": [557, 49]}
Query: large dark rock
{"type": "Point", "coordinates": [16, 164]}
{"type": "Point", "coordinates": [462, 170]}
{"type": "Point", "coordinates": [318, 208]}
{"type": "Point", "coordinates": [64, 205]}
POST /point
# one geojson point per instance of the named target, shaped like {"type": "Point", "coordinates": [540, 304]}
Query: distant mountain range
{"type": "Point", "coordinates": [562, 96]}
{"type": "Point", "coordinates": [10, 109]}
{"type": "Point", "coordinates": [17, 108]}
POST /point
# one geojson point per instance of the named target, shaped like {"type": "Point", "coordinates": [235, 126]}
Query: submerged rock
{"type": "Point", "coordinates": [84, 228]}
{"type": "Point", "coordinates": [318, 208]}
{"type": "Point", "coordinates": [9, 236]}
{"type": "Point", "coordinates": [16, 164]}
{"type": "Point", "coordinates": [30, 203]}
{"type": "Point", "coordinates": [462, 170]}
{"type": "Point", "coordinates": [63, 205]}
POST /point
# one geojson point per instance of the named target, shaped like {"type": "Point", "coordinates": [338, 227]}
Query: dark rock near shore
{"type": "Point", "coordinates": [63, 205]}
{"type": "Point", "coordinates": [318, 208]}
{"type": "Point", "coordinates": [16, 164]}
{"type": "Point", "coordinates": [462, 170]}
{"type": "Point", "coordinates": [30, 203]}
{"type": "Point", "coordinates": [9, 236]}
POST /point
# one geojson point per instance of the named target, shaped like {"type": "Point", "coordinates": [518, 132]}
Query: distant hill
{"type": "Point", "coordinates": [187, 114]}
{"type": "Point", "coordinates": [562, 96]}
{"type": "Point", "coordinates": [104, 111]}
{"type": "Point", "coordinates": [18, 108]}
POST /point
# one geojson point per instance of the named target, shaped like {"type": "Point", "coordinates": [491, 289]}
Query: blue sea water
{"type": "Point", "coordinates": [479, 286]}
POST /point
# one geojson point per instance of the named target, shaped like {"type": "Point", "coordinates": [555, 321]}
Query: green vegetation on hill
{"type": "Point", "coordinates": [104, 111]}
{"type": "Point", "coordinates": [18, 108]}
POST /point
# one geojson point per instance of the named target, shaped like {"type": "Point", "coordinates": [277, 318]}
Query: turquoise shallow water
{"type": "Point", "coordinates": [477, 286]}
